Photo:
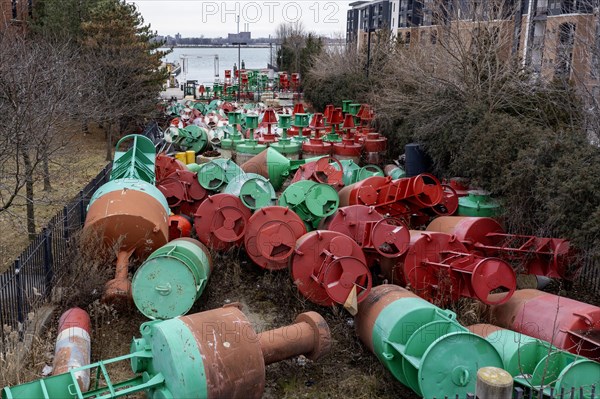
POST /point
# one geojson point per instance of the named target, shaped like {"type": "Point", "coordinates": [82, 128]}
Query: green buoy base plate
{"type": "Point", "coordinates": [287, 147]}
{"type": "Point", "coordinates": [250, 147]}
{"type": "Point", "coordinates": [164, 288]}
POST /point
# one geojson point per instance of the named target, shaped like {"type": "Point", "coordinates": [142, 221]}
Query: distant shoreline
{"type": "Point", "coordinates": [221, 46]}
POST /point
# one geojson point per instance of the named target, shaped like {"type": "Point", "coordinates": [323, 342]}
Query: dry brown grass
{"type": "Point", "coordinates": [71, 169]}
{"type": "Point", "coordinates": [270, 301]}
{"type": "Point", "coordinates": [81, 285]}
{"type": "Point", "coordinates": [13, 371]}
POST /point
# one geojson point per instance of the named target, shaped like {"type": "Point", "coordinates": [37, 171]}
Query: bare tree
{"type": "Point", "coordinates": [461, 88]}
{"type": "Point", "coordinates": [39, 86]}
{"type": "Point", "coordinates": [292, 38]}
{"type": "Point", "coordinates": [286, 30]}
{"type": "Point", "coordinates": [578, 51]}
{"type": "Point", "coordinates": [340, 72]}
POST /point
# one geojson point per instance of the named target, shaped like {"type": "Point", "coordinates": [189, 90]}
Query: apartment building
{"type": "Point", "coordinates": [559, 38]}
{"type": "Point", "coordinates": [14, 13]}
{"type": "Point", "coordinates": [367, 16]}
{"type": "Point", "coordinates": [556, 38]}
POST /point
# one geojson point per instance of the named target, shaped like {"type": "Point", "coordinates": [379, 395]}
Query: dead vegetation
{"type": "Point", "coordinates": [72, 167]}
{"type": "Point", "coordinates": [270, 301]}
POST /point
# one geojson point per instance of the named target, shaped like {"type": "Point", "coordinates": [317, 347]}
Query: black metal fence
{"type": "Point", "coordinates": [153, 132]}
{"type": "Point", "coordinates": [572, 393]}
{"type": "Point", "coordinates": [528, 393]}
{"type": "Point", "coordinates": [589, 276]}
{"type": "Point", "coordinates": [29, 283]}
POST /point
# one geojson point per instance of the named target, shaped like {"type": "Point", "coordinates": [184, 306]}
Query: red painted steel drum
{"type": "Point", "coordinates": [272, 235]}
{"type": "Point", "coordinates": [165, 165]}
{"type": "Point", "coordinates": [183, 191]}
{"type": "Point", "coordinates": [315, 146]}
{"type": "Point", "coordinates": [385, 237]}
{"type": "Point", "coordinates": [221, 221]}
{"type": "Point", "coordinates": [327, 265]}
{"type": "Point", "coordinates": [566, 323]}
{"type": "Point", "coordinates": [321, 171]}
{"type": "Point", "coordinates": [468, 230]}
{"type": "Point", "coordinates": [73, 346]}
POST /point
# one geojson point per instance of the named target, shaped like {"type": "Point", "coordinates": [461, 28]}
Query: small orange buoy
{"type": "Point", "coordinates": [179, 226]}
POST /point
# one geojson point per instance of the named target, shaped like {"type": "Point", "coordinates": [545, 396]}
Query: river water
{"type": "Point", "coordinates": [201, 61]}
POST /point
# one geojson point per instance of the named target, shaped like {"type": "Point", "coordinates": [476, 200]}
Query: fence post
{"type": "Point", "coordinates": [66, 223]}
{"type": "Point", "coordinates": [48, 260]}
{"type": "Point", "coordinates": [20, 318]}
{"type": "Point", "coordinates": [81, 208]}
{"type": "Point", "coordinates": [494, 382]}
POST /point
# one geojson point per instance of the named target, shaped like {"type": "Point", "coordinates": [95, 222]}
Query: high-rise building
{"type": "Point", "coordinates": [555, 38]}
{"type": "Point", "coordinates": [365, 17]}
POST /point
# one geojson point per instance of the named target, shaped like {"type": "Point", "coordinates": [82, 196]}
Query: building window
{"type": "Point", "coordinates": [595, 67]}
{"type": "Point", "coordinates": [567, 6]}
{"type": "Point", "coordinates": [587, 6]}
{"type": "Point", "coordinates": [427, 12]}
{"type": "Point", "coordinates": [564, 53]}
{"type": "Point", "coordinates": [433, 37]}
{"type": "Point", "coordinates": [566, 34]}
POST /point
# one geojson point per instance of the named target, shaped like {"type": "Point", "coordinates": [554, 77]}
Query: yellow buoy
{"type": "Point", "coordinates": [181, 156]}
{"type": "Point", "coordinates": [190, 156]}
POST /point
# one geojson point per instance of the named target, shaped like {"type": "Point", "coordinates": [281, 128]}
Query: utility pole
{"type": "Point", "coordinates": [239, 63]}
{"type": "Point", "coordinates": [239, 44]}
{"type": "Point", "coordinates": [270, 51]}
{"type": "Point", "coordinates": [369, 30]}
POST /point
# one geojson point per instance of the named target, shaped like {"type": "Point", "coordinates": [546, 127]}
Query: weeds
{"type": "Point", "coordinates": [17, 365]}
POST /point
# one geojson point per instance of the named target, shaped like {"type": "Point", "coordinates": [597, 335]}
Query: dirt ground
{"type": "Point", "coordinates": [71, 168]}
{"type": "Point", "coordinates": [270, 301]}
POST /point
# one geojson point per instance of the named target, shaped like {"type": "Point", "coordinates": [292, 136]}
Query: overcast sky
{"type": "Point", "coordinates": [195, 18]}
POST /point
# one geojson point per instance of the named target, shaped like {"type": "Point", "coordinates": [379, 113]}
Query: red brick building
{"type": "Point", "coordinates": [15, 13]}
